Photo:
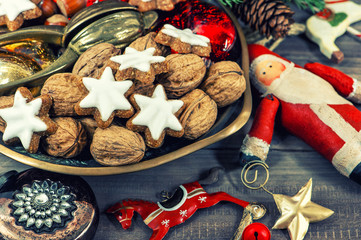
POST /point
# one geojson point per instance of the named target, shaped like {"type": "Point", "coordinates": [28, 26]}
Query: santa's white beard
{"type": "Point", "coordinates": [296, 85]}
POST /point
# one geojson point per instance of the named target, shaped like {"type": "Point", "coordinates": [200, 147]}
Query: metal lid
{"type": "Point", "coordinates": [91, 14]}
{"type": "Point", "coordinates": [46, 205]}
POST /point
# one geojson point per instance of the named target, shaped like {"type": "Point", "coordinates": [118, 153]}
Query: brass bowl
{"type": "Point", "coordinates": [231, 119]}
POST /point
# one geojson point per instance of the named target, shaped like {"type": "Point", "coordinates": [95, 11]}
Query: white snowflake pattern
{"type": "Point", "coordinates": [165, 222]}
{"type": "Point", "coordinates": [140, 60]}
{"type": "Point", "coordinates": [183, 213]}
{"type": "Point", "coordinates": [21, 120]}
{"type": "Point", "coordinates": [202, 199]}
{"type": "Point", "coordinates": [106, 94]}
{"type": "Point", "coordinates": [186, 35]}
{"type": "Point", "coordinates": [157, 113]}
{"type": "Point", "coordinates": [13, 8]}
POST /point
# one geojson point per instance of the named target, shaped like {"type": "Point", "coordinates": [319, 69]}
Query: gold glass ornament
{"type": "Point", "coordinates": [23, 59]}
{"type": "Point", "coordinates": [16, 66]}
{"type": "Point", "coordinates": [39, 51]}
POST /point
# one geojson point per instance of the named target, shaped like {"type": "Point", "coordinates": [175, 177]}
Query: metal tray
{"type": "Point", "coordinates": [230, 120]}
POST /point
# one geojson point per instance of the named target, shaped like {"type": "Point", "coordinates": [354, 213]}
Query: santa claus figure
{"type": "Point", "coordinates": [314, 105]}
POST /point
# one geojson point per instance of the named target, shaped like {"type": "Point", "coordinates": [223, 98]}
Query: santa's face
{"type": "Point", "coordinates": [267, 71]}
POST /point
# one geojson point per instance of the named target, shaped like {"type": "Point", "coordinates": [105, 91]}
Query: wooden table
{"type": "Point", "coordinates": [292, 163]}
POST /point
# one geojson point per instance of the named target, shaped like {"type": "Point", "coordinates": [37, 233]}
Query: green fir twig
{"type": "Point", "coordinates": [313, 5]}
{"type": "Point", "coordinates": [230, 3]}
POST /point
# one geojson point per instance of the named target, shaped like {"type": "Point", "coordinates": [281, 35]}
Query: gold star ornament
{"type": "Point", "coordinates": [298, 212]}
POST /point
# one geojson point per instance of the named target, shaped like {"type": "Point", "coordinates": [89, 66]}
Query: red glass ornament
{"type": "Point", "coordinates": [256, 231]}
{"type": "Point", "coordinates": [207, 20]}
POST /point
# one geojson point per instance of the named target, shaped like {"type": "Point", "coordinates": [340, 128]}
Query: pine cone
{"type": "Point", "coordinates": [270, 17]}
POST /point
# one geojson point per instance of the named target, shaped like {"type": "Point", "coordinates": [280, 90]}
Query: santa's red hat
{"type": "Point", "coordinates": [255, 51]}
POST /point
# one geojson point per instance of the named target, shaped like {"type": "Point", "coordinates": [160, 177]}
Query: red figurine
{"type": "Point", "coordinates": [256, 231]}
{"type": "Point", "coordinates": [161, 216]}
{"type": "Point", "coordinates": [314, 104]}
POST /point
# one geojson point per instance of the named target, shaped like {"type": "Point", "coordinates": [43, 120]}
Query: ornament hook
{"type": "Point", "coordinates": [245, 172]}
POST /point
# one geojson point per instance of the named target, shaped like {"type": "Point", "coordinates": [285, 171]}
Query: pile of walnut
{"type": "Point", "coordinates": [184, 77]}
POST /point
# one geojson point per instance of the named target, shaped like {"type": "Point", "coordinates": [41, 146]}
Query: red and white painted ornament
{"type": "Point", "coordinates": [186, 200]}
{"type": "Point", "coordinates": [324, 27]}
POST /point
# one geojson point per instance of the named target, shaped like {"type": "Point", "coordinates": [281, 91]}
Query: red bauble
{"type": "Point", "coordinates": [256, 231]}
{"type": "Point", "coordinates": [207, 20]}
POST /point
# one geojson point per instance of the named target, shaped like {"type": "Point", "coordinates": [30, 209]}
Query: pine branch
{"type": "Point", "coordinates": [313, 5]}
{"type": "Point", "coordinates": [230, 3]}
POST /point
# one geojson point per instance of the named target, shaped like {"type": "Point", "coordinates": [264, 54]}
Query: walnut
{"type": "Point", "coordinates": [186, 72]}
{"type": "Point", "coordinates": [117, 146]}
{"type": "Point", "coordinates": [69, 139]}
{"type": "Point", "coordinates": [225, 83]}
{"type": "Point", "coordinates": [91, 62]}
{"type": "Point", "coordinates": [65, 91]}
{"type": "Point", "coordinates": [199, 115]}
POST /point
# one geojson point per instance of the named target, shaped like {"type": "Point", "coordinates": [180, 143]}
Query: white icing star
{"type": "Point", "coordinates": [157, 113]}
{"type": "Point", "coordinates": [13, 8]}
{"type": "Point", "coordinates": [21, 120]}
{"type": "Point", "coordinates": [140, 60]}
{"type": "Point", "coordinates": [186, 35]}
{"type": "Point", "coordinates": [106, 94]}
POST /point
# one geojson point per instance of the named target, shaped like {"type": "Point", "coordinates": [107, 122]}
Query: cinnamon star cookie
{"type": "Point", "coordinates": [105, 98]}
{"type": "Point", "coordinates": [184, 40]}
{"type": "Point", "coordinates": [27, 120]}
{"type": "Point", "coordinates": [14, 12]}
{"type": "Point", "coordinates": [156, 117]}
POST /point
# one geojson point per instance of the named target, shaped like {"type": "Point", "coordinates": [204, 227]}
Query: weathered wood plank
{"type": "Point", "coordinates": [291, 162]}
{"type": "Point", "coordinates": [288, 173]}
